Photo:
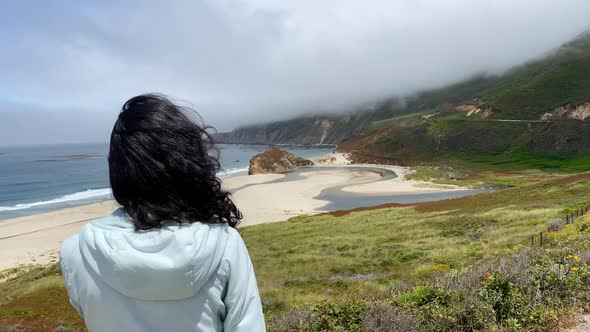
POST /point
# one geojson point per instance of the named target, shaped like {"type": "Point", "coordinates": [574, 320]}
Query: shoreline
{"type": "Point", "coordinates": [36, 239]}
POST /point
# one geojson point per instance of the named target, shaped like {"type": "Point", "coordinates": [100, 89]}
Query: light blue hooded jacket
{"type": "Point", "coordinates": [194, 277]}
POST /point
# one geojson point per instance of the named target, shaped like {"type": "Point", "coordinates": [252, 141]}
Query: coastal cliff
{"type": "Point", "coordinates": [303, 131]}
{"type": "Point", "coordinates": [313, 130]}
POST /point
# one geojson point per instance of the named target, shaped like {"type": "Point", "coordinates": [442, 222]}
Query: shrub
{"type": "Point", "coordinates": [298, 319]}
{"type": "Point", "coordinates": [384, 317]}
{"type": "Point", "coordinates": [507, 300]}
{"type": "Point", "coordinates": [422, 295]}
{"type": "Point", "coordinates": [326, 316]}
{"type": "Point", "coordinates": [338, 317]}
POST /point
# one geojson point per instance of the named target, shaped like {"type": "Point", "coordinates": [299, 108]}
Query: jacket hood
{"type": "Point", "coordinates": [171, 263]}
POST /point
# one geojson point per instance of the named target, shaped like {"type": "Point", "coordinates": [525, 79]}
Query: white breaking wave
{"type": "Point", "coordinates": [82, 195]}
{"type": "Point", "coordinates": [91, 194]}
{"type": "Point", "coordinates": [232, 171]}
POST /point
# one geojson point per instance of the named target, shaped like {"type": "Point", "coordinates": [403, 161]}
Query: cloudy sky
{"type": "Point", "coordinates": [67, 66]}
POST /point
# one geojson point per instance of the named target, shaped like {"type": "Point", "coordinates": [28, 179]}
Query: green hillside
{"type": "Point", "coordinates": [455, 139]}
{"type": "Point", "coordinates": [434, 126]}
{"type": "Point", "coordinates": [540, 87]}
{"type": "Point", "coordinates": [534, 116]}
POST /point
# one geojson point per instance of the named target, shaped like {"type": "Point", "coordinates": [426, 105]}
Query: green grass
{"type": "Point", "coordinates": [516, 159]}
{"type": "Point", "coordinates": [34, 298]}
{"type": "Point", "coordinates": [479, 178]}
{"type": "Point", "coordinates": [27, 280]}
{"type": "Point", "coordinates": [309, 259]}
{"type": "Point", "coordinates": [527, 288]}
{"type": "Point", "coordinates": [529, 96]}
{"type": "Point", "coordinates": [352, 256]}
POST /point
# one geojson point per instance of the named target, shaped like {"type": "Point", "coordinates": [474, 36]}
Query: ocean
{"type": "Point", "coordinates": [38, 179]}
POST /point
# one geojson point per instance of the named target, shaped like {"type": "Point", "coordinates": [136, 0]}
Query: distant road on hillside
{"type": "Point", "coordinates": [524, 121]}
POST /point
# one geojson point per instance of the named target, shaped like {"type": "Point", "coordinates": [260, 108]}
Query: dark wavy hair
{"type": "Point", "coordinates": [162, 166]}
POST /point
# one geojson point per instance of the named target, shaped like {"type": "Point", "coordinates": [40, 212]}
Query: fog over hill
{"type": "Point", "coordinates": [555, 88]}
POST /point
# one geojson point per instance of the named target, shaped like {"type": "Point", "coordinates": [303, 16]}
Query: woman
{"type": "Point", "coordinates": [170, 259]}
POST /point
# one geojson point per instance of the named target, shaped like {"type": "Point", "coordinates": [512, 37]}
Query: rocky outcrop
{"type": "Point", "coordinates": [429, 116]}
{"type": "Point", "coordinates": [579, 112]}
{"type": "Point", "coordinates": [474, 109]}
{"type": "Point", "coordinates": [275, 160]}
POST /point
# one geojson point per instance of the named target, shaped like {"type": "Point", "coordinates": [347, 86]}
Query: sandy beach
{"type": "Point", "coordinates": [261, 198]}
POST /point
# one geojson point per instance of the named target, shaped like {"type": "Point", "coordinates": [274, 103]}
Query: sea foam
{"type": "Point", "coordinates": [231, 171]}
{"type": "Point", "coordinates": [82, 195]}
{"type": "Point", "coordinates": [91, 194]}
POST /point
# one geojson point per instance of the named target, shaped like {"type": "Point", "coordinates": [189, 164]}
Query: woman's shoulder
{"type": "Point", "coordinates": [69, 258]}
{"type": "Point", "coordinates": [70, 246]}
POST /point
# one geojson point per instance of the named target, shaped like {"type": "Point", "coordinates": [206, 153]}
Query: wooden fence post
{"type": "Point", "coordinates": [574, 220]}
{"type": "Point", "coordinates": [541, 239]}
{"type": "Point", "coordinates": [567, 219]}
{"type": "Point", "coordinates": [532, 240]}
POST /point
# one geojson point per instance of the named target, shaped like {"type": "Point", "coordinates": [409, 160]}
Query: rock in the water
{"type": "Point", "coordinates": [275, 160]}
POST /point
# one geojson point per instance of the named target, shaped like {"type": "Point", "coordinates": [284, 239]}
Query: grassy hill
{"type": "Point", "coordinates": [456, 139]}
{"type": "Point", "coordinates": [535, 116]}
{"type": "Point", "coordinates": [528, 92]}
{"type": "Point", "coordinates": [333, 129]}
{"type": "Point", "coordinates": [425, 267]}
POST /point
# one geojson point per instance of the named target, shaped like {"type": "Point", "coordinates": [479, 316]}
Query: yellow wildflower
{"type": "Point", "coordinates": [574, 269]}
{"type": "Point", "coordinates": [577, 259]}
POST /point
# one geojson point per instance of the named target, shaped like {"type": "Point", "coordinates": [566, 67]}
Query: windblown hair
{"type": "Point", "coordinates": [162, 167]}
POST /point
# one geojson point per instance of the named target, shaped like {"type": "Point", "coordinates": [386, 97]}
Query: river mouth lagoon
{"type": "Point", "coordinates": [40, 179]}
